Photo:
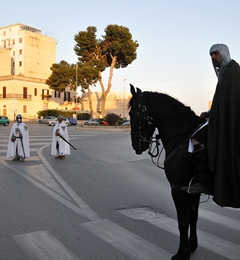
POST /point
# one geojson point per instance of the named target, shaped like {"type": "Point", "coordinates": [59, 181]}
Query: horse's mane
{"type": "Point", "coordinates": [163, 102]}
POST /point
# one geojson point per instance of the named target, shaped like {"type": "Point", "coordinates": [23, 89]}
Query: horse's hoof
{"type": "Point", "coordinates": [179, 256]}
{"type": "Point", "coordinates": [193, 244]}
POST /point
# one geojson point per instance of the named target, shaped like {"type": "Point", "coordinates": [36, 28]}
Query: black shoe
{"type": "Point", "coordinates": [197, 188]}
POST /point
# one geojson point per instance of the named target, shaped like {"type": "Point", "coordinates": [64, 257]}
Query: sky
{"type": "Point", "coordinates": [174, 39]}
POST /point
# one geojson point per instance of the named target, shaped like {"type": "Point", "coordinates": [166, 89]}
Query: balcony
{"type": "Point", "coordinates": [46, 97]}
{"type": "Point", "coordinates": [16, 96]}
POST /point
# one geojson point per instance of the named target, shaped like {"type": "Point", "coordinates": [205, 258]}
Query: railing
{"type": "Point", "coordinates": [46, 97]}
{"type": "Point", "coordinates": [15, 96]}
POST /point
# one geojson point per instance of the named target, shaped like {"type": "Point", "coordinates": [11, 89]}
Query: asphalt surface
{"type": "Point", "coordinates": [103, 202]}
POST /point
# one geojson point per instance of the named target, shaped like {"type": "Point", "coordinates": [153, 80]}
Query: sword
{"type": "Point", "coordinates": [68, 142]}
{"type": "Point", "coordinates": [23, 147]}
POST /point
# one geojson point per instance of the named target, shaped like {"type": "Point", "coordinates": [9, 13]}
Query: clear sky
{"type": "Point", "coordinates": [174, 38]}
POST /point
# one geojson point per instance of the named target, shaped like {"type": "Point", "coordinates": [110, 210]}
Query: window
{"type": "Point", "coordinates": [4, 33]}
{"type": "Point", "coordinates": [24, 92]}
{"type": "Point", "coordinates": [20, 40]}
{"type": "Point", "coordinates": [13, 53]}
{"type": "Point", "coordinates": [35, 92]}
{"type": "Point", "coordinates": [12, 66]}
{"type": "Point", "coordinates": [24, 108]}
{"type": "Point", "coordinates": [66, 96]}
{"type": "Point", "coordinates": [4, 92]}
{"type": "Point", "coordinates": [20, 52]}
{"type": "Point", "coordinates": [13, 41]}
{"type": "Point", "coordinates": [4, 44]}
{"type": "Point", "coordinates": [57, 94]}
{"type": "Point", "coordinates": [20, 64]}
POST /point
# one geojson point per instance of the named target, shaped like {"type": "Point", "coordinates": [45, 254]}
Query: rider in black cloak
{"type": "Point", "coordinates": [216, 147]}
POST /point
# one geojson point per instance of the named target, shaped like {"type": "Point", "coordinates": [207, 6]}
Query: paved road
{"type": "Point", "coordinates": [103, 202]}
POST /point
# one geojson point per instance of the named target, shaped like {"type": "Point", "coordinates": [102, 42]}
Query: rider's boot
{"type": "Point", "coordinates": [22, 158]}
{"type": "Point", "coordinates": [16, 158]}
{"type": "Point", "coordinates": [203, 176]}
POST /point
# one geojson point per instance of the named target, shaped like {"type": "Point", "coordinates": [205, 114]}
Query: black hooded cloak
{"type": "Point", "coordinates": [224, 137]}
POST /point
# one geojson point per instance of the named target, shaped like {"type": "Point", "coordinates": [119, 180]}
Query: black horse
{"type": "Point", "coordinates": [175, 122]}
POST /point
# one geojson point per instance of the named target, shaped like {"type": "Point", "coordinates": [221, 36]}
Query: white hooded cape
{"type": "Point", "coordinates": [21, 144]}
{"type": "Point", "coordinates": [63, 146]}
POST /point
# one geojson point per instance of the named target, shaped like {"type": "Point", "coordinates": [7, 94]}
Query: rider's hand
{"type": "Point", "coordinates": [204, 115]}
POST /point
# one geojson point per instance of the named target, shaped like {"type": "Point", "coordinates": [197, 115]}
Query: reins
{"type": "Point", "coordinates": [180, 147]}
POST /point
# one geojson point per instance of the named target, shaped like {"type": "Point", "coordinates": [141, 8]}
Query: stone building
{"type": "Point", "coordinates": [25, 60]}
{"type": "Point", "coordinates": [26, 56]}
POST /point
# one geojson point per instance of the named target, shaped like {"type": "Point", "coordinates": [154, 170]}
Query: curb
{"type": "Point", "coordinates": [105, 128]}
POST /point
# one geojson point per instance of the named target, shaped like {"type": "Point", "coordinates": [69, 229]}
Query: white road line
{"type": "Point", "coordinates": [220, 219]}
{"type": "Point", "coordinates": [3, 148]}
{"type": "Point", "coordinates": [67, 203]}
{"type": "Point", "coordinates": [85, 208]}
{"type": "Point", "coordinates": [42, 245]}
{"type": "Point", "coordinates": [207, 240]}
{"type": "Point", "coordinates": [31, 158]}
{"type": "Point", "coordinates": [125, 241]}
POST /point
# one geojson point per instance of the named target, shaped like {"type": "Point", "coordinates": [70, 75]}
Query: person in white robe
{"type": "Point", "coordinates": [60, 148]}
{"type": "Point", "coordinates": [18, 141]}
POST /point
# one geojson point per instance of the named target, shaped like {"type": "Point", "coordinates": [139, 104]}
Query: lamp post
{"type": "Point", "coordinates": [76, 92]}
{"type": "Point", "coordinates": [124, 98]}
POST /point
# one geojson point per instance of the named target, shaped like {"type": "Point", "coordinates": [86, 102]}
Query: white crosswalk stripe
{"type": "Point", "coordinates": [42, 245]}
{"type": "Point", "coordinates": [130, 244]}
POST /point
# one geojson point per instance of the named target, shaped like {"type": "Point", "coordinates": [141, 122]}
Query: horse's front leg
{"type": "Point", "coordinates": [183, 215]}
{"type": "Point", "coordinates": [193, 221]}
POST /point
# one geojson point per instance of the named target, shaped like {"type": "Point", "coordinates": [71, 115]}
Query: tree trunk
{"type": "Point", "coordinates": [105, 93]}
{"type": "Point", "coordinates": [90, 101]}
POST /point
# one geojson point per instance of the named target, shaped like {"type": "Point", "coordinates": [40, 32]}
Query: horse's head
{"type": "Point", "coordinates": [142, 126]}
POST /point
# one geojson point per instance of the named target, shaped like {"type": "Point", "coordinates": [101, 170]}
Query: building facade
{"type": "Point", "coordinates": [25, 60]}
{"type": "Point", "coordinates": [26, 56]}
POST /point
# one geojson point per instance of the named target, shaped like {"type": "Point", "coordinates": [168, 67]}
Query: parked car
{"type": "Point", "coordinates": [127, 122]}
{"type": "Point", "coordinates": [4, 120]}
{"type": "Point", "coordinates": [92, 122]}
{"type": "Point", "coordinates": [72, 121]}
{"type": "Point", "coordinates": [54, 121]}
{"type": "Point", "coordinates": [46, 119]}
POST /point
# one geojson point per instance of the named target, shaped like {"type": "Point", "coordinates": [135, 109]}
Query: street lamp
{"type": "Point", "coordinates": [76, 92]}
{"type": "Point", "coordinates": [124, 98]}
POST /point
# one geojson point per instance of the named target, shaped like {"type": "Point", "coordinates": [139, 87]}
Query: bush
{"type": "Point", "coordinates": [112, 118]}
{"type": "Point", "coordinates": [55, 112]}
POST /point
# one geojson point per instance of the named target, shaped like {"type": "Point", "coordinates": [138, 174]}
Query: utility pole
{"type": "Point", "coordinates": [124, 98]}
{"type": "Point", "coordinates": [76, 92]}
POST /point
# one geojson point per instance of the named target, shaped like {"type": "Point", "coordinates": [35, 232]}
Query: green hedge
{"type": "Point", "coordinates": [54, 112]}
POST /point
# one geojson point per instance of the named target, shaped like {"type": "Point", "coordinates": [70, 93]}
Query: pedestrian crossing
{"type": "Point", "coordinates": [43, 245]}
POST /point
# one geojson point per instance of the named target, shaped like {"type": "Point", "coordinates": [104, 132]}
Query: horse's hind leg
{"type": "Point", "coordinates": [183, 214]}
{"type": "Point", "coordinates": [193, 222]}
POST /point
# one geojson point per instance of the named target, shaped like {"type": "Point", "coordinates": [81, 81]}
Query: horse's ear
{"type": "Point", "coordinates": [139, 91]}
{"type": "Point", "coordinates": [132, 90]}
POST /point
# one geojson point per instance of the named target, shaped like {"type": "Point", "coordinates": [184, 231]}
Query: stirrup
{"type": "Point", "coordinates": [188, 187]}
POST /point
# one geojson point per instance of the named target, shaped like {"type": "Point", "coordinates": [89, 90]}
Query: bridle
{"type": "Point", "coordinates": [142, 113]}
